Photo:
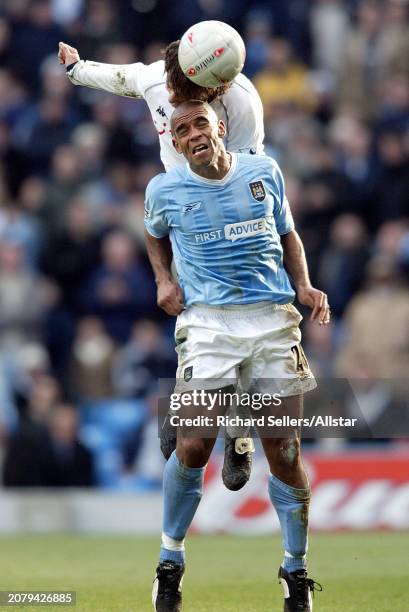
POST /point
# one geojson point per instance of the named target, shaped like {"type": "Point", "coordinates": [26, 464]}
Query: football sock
{"type": "Point", "coordinates": [182, 492]}
{"type": "Point", "coordinates": [291, 505]}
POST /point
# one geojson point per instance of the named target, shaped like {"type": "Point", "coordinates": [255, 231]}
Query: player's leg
{"type": "Point", "coordinates": [208, 351]}
{"type": "Point", "coordinates": [182, 491]}
{"type": "Point", "coordinates": [289, 491]}
{"type": "Point", "coordinates": [289, 488]}
{"type": "Point", "coordinates": [279, 367]}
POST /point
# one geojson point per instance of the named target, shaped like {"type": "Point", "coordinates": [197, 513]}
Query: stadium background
{"type": "Point", "coordinates": [82, 342]}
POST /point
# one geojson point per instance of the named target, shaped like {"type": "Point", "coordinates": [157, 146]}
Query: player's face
{"type": "Point", "coordinates": [198, 135]}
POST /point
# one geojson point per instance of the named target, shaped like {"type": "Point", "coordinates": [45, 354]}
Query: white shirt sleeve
{"type": "Point", "coordinates": [129, 80]}
{"type": "Point", "coordinates": [244, 117]}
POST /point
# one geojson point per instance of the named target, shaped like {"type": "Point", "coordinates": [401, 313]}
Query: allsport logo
{"type": "Point", "coordinates": [193, 70]}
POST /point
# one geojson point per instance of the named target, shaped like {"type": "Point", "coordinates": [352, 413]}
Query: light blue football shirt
{"type": "Point", "coordinates": [225, 234]}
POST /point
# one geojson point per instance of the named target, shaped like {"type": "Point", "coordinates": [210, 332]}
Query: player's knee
{"type": "Point", "coordinates": [287, 453]}
{"type": "Point", "coordinates": [193, 452]}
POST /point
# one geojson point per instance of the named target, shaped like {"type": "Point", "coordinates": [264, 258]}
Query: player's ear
{"type": "Point", "coordinates": [176, 145]}
{"type": "Point", "coordinates": [221, 129]}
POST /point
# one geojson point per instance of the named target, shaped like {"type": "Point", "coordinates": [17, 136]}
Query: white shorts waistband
{"type": "Point", "coordinates": [238, 310]}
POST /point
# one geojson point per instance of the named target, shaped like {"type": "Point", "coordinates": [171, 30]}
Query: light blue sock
{"type": "Point", "coordinates": [291, 505]}
{"type": "Point", "coordinates": [182, 492]}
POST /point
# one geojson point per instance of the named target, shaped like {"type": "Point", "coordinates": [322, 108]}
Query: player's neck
{"type": "Point", "coordinates": [217, 170]}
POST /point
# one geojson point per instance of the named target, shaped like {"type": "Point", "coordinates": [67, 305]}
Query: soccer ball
{"type": "Point", "coordinates": [211, 53]}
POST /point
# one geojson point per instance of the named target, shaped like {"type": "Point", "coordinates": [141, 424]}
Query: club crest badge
{"type": "Point", "coordinates": [257, 190]}
{"type": "Point", "coordinates": [188, 373]}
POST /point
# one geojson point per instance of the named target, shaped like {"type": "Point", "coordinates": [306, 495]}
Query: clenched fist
{"type": "Point", "coordinates": [67, 55]}
{"type": "Point", "coordinates": [170, 297]}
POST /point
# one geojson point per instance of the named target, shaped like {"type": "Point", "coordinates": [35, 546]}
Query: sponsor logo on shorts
{"type": "Point", "coordinates": [188, 373]}
{"type": "Point", "coordinates": [257, 190]}
{"type": "Point", "coordinates": [244, 229]}
{"type": "Point", "coordinates": [189, 207]}
{"type": "Point", "coordinates": [147, 213]}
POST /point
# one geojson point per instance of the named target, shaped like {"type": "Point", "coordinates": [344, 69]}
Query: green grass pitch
{"type": "Point", "coordinates": [359, 572]}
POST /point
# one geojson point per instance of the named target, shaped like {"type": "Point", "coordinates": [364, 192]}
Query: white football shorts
{"type": "Point", "coordinates": [255, 347]}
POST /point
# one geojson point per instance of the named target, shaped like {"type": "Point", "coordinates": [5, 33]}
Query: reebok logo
{"type": "Point", "coordinates": [189, 207]}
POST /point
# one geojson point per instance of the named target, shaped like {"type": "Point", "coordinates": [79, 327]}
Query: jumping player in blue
{"type": "Point", "coordinates": [227, 222]}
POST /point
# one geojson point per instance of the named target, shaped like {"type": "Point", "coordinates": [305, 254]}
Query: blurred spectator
{"type": "Point", "coordinates": [71, 462]}
{"type": "Point", "coordinates": [33, 38]}
{"type": "Point", "coordinates": [72, 253]}
{"type": "Point", "coordinates": [121, 289]}
{"type": "Point", "coordinates": [31, 194]}
{"type": "Point", "coordinates": [24, 369]}
{"type": "Point", "coordinates": [319, 344]}
{"type": "Point", "coordinates": [329, 29]}
{"type": "Point", "coordinates": [257, 38]}
{"type": "Point", "coordinates": [145, 359]}
{"type": "Point", "coordinates": [100, 28]}
{"type": "Point", "coordinates": [54, 80]}
{"type": "Point", "coordinates": [351, 141]}
{"type": "Point", "coordinates": [42, 129]}
{"type": "Point", "coordinates": [107, 195]}
{"type": "Point", "coordinates": [18, 227]}
{"type": "Point", "coordinates": [377, 326]}
{"type": "Point", "coordinates": [28, 461]}
{"type": "Point", "coordinates": [13, 164]}
{"type": "Point", "coordinates": [120, 144]}
{"type": "Point", "coordinates": [13, 96]}
{"type": "Point", "coordinates": [391, 190]}
{"type": "Point", "coordinates": [62, 186]}
{"type": "Point", "coordinates": [389, 238]}
{"type": "Point", "coordinates": [283, 81]}
{"type": "Point", "coordinates": [24, 298]}
{"type": "Point", "coordinates": [393, 104]}
{"type": "Point", "coordinates": [343, 262]}
{"type": "Point", "coordinates": [89, 140]}
{"type": "Point", "coordinates": [91, 362]}
{"type": "Point", "coordinates": [325, 195]}
{"type": "Point", "coordinates": [372, 52]}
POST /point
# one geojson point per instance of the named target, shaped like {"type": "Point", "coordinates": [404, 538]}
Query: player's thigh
{"type": "Point", "coordinates": [278, 364]}
{"type": "Point", "coordinates": [208, 355]}
{"type": "Point", "coordinates": [197, 422]}
{"type": "Point", "coordinates": [281, 436]}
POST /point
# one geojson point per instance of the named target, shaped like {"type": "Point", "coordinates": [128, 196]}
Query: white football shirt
{"type": "Point", "coordinates": [240, 107]}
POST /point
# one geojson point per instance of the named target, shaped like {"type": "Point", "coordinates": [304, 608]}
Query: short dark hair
{"type": "Point", "coordinates": [182, 105]}
{"type": "Point", "coordinates": [183, 87]}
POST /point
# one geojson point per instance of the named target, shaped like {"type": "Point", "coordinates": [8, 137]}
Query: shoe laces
{"type": "Point", "coordinates": [169, 579]}
{"type": "Point", "coordinates": [304, 585]}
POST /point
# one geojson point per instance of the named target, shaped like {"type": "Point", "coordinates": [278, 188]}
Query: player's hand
{"type": "Point", "coordinates": [67, 55]}
{"type": "Point", "coordinates": [170, 297]}
{"type": "Point", "coordinates": [318, 302]}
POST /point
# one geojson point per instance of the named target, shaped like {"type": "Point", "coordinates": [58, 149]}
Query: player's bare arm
{"type": "Point", "coordinates": [296, 264]}
{"type": "Point", "coordinates": [169, 297]}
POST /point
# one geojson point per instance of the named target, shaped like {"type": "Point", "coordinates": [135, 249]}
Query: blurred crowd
{"type": "Point", "coordinates": [82, 342]}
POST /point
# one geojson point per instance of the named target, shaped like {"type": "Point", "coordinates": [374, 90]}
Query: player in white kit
{"type": "Point", "coordinates": [163, 85]}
